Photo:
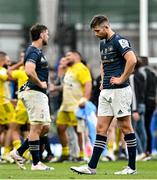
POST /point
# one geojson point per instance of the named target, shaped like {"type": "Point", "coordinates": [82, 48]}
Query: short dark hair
{"type": "Point", "coordinates": [97, 20]}
{"type": "Point", "coordinates": [80, 55]}
{"type": "Point", "coordinates": [3, 54]}
{"type": "Point", "coordinates": [144, 60]}
{"type": "Point", "coordinates": [76, 52]}
{"type": "Point", "coordinates": [36, 30]}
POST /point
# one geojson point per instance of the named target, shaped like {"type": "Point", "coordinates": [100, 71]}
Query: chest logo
{"type": "Point", "coordinates": [43, 59]}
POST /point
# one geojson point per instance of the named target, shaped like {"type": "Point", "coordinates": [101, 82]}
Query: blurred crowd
{"type": "Point", "coordinates": [75, 131]}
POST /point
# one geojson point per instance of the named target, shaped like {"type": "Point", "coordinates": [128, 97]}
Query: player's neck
{"type": "Point", "coordinates": [110, 34]}
{"type": "Point", "coordinates": [37, 44]}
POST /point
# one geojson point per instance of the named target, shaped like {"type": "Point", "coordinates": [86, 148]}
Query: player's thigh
{"type": "Point", "coordinates": [122, 102]}
{"type": "Point", "coordinates": [37, 107]}
{"type": "Point", "coordinates": [21, 116]}
{"type": "Point", "coordinates": [66, 118]}
{"type": "Point", "coordinates": [124, 123]}
{"type": "Point", "coordinates": [2, 114]}
{"type": "Point", "coordinates": [62, 118]}
{"type": "Point", "coordinates": [104, 105]}
{"type": "Point", "coordinates": [9, 112]}
{"type": "Point", "coordinates": [45, 130]}
{"type": "Point", "coordinates": [73, 121]}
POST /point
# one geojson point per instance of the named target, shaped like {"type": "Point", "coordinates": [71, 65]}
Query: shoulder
{"type": "Point", "coordinates": [3, 71]}
{"type": "Point", "coordinates": [32, 53]}
{"type": "Point", "coordinates": [17, 73]}
{"type": "Point", "coordinates": [122, 41]}
{"type": "Point", "coordinates": [142, 71]}
{"type": "Point", "coordinates": [149, 68]}
{"type": "Point", "coordinates": [81, 66]}
{"type": "Point", "coordinates": [3, 74]}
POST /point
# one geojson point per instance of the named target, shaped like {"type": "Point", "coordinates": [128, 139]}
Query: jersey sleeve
{"type": "Point", "coordinates": [16, 74]}
{"type": "Point", "coordinates": [84, 75]}
{"type": "Point", "coordinates": [123, 46]}
{"type": "Point", "coordinates": [3, 74]}
{"type": "Point", "coordinates": [32, 57]}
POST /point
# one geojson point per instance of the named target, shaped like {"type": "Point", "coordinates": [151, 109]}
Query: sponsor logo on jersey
{"type": "Point", "coordinates": [124, 43]}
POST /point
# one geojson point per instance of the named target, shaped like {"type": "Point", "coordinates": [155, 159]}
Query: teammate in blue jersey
{"type": "Point", "coordinates": [33, 95]}
{"type": "Point", "coordinates": [35, 56]}
{"type": "Point", "coordinates": [117, 63]}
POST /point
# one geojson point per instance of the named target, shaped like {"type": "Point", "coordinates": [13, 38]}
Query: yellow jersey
{"type": "Point", "coordinates": [21, 78]}
{"type": "Point", "coordinates": [3, 91]}
{"type": "Point", "coordinates": [73, 86]}
{"type": "Point", "coordinates": [20, 75]}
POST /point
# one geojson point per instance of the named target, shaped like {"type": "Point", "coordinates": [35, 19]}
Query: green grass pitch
{"type": "Point", "coordinates": [105, 170]}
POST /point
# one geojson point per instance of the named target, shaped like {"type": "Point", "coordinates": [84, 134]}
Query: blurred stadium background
{"type": "Point", "coordinates": [68, 22]}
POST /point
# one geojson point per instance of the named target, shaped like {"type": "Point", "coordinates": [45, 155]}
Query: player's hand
{"type": "Point", "coordinates": [82, 102]}
{"type": "Point", "coordinates": [101, 87]}
{"type": "Point", "coordinates": [82, 105]}
{"type": "Point", "coordinates": [43, 84]}
{"type": "Point", "coordinates": [14, 102]}
{"type": "Point", "coordinates": [21, 60]}
{"type": "Point", "coordinates": [116, 80]}
{"type": "Point", "coordinates": [52, 87]}
{"type": "Point", "coordinates": [136, 116]}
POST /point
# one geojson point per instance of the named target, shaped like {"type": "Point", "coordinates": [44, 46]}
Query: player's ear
{"type": "Point", "coordinates": [41, 35]}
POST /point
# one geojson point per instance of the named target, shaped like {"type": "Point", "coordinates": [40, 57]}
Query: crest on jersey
{"type": "Point", "coordinates": [124, 43]}
{"type": "Point", "coordinates": [110, 48]}
{"type": "Point", "coordinates": [103, 51]}
{"type": "Point", "coordinates": [43, 59]}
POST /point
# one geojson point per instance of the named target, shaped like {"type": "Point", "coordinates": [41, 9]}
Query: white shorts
{"type": "Point", "coordinates": [37, 106]}
{"type": "Point", "coordinates": [115, 102]}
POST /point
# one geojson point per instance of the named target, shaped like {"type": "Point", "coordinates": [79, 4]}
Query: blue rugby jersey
{"type": "Point", "coordinates": [112, 52]}
{"type": "Point", "coordinates": [36, 56]}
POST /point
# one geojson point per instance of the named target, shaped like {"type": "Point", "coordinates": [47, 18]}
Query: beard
{"type": "Point", "coordinates": [44, 43]}
{"type": "Point", "coordinates": [5, 66]}
{"type": "Point", "coordinates": [102, 37]}
{"type": "Point", "coordinates": [70, 63]}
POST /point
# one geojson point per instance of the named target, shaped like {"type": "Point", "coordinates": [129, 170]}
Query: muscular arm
{"type": "Point", "coordinates": [31, 73]}
{"type": "Point", "coordinates": [129, 68]}
{"type": "Point", "coordinates": [16, 66]}
{"type": "Point", "coordinates": [101, 72]}
{"type": "Point", "coordinates": [102, 76]}
{"type": "Point", "coordinates": [86, 94]}
{"type": "Point", "coordinates": [87, 90]}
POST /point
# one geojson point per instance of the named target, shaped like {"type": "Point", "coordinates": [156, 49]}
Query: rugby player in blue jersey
{"type": "Point", "coordinates": [117, 63]}
{"type": "Point", "coordinates": [33, 95]}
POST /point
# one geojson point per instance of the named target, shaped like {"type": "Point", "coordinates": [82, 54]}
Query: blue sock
{"type": "Point", "coordinates": [23, 147]}
{"type": "Point", "coordinates": [34, 149]}
{"type": "Point", "coordinates": [131, 146]}
{"type": "Point", "coordinates": [99, 145]}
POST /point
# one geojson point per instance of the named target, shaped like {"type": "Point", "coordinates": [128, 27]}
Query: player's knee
{"type": "Point", "coordinates": [61, 129]}
{"type": "Point", "coordinates": [101, 129]}
{"type": "Point", "coordinates": [127, 129]}
{"type": "Point", "coordinates": [45, 130]}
